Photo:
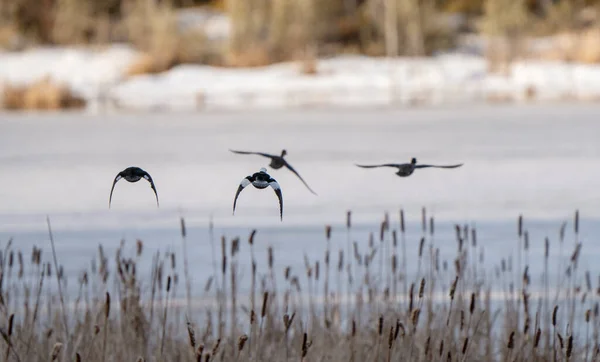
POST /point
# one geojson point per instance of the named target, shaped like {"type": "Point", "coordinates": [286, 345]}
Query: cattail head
{"type": "Point", "coordinates": [402, 229]}
{"type": "Point", "coordinates": [465, 344]}
{"type": "Point", "coordinates": [520, 226]}
{"type": "Point", "coordinates": [560, 341]}
{"type": "Point", "coordinates": [536, 340]}
{"type": "Point", "coordinates": [472, 305]}
{"type": "Point", "coordinates": [251, 237]}
{"type": "Point", "coordinates": [511, 340]}
{"type": "Point", "coordinates": [168, 283]}
{"type": "Point", "coordinates": [241, 341]}
{"type": "Point", "coordinates": [270, 252]}
{"type": "Point", "coordinates": [199, 352]}
{"type": "Point", "coordinates": [414, 317]}
{"type": "Point", "coordinates": [423, 219]}
{"type": "Point", "coordinates": [77, 357]}
{"type": "Point", "coordinates": [304, 345]}
{"type": "Point", "coordinates": [391, 337]}
{"type": "Point", "coordinates": [576, 223]}
{"type": "Point", "coordinates": [431, 226]}
{"type": "Point", "coordinates": [328, 232]}
{"type": "Point", "coordinates": [10, 324]}
{"type": "Point", "coordinates": [570, 346]}
{"type": "Point", "coordinates": [107, 306]}
{"type": "Point", "coordinates": [554, 315]}
{"type": "Point", "coordinates": [252, 316]}
{"type": "Point", "coordinates": [183, 230]}
{"type": "Point", "coordinates": [526, 240]}
{"type": "Point", "coordinates": [421, 244]}
{"type": "Point", "coordinates": [422, 288]}
{"type": "Point", "coordinates": [287, 320]}
{"type": "Point", "coordinates": [191, 335]}
{"type": "Point", "coordinates": [546, 248]}
{"type": "Point", "coordinates": [264, 304]}
{"type": "Point", "coordinates": [587, 315]}
{"type": "Point", "coordinates": [380, 328]}
{"type": "Point", "coordinates": [348, 219]}
{"type": "Point", "coordinates": [353, 328]}
{"type": "Point", "coordinates": [453, 288]}
{"type": "Point", "coordinates": [216, 347]}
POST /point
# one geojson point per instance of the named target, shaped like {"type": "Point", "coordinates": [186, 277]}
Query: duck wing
{"type": "Point", "coordinates": [253, 153]}
{"type": "Point", "coordinates": [277, 190]}
{"type": "Point", "coordinates": [396, 165]}
{"type": "Point", "coordinates": [300, 177]}
{"type": "Point", "coordinates": [438, 166]}
{"type": "Point", "coordinates": [148, 178]}
{"type": "Point", "coordinates": [119, 176]}
{"type": "Point", "coordinates": [245, 182]}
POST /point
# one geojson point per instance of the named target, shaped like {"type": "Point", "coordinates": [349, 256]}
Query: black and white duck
{"type": "Point", "coordinates": [133, 174]}
{"type": "Point", "coordinates": [261, 180]}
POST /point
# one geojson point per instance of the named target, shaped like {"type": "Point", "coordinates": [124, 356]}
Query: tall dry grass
{"type": "Point", "coordinates": [463, 309]}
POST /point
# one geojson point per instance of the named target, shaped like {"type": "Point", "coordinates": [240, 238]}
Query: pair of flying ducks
{"type": "Point", "coordinates": [262, 179]}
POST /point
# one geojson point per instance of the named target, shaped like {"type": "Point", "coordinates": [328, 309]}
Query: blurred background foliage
{"type": "Point", "coordinates": [260, 32]}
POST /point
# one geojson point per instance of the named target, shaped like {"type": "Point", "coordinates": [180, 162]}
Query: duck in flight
{"type": "Point", "coordinates": [261, 180]}
{"type": "Point", "coordinates": [277, 162]}
{"type": "Point", "coordinates": [406, 169]}
{"type": "Point", "coordinates": [133, 174]}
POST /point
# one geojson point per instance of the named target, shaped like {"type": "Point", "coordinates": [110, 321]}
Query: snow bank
{"type": "Point", "coordinates": [344, 80]}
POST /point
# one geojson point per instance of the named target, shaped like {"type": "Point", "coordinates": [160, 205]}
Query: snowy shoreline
{"type": "Point", "coordinates": [99, 76]}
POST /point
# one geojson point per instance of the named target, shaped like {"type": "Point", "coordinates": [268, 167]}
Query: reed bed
{"type": "Point", "coordinates": [358, 303]}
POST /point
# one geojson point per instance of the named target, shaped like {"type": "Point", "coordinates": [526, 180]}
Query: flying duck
{"type": "Point", "coordinates": [261, 180]}
{"type": "Point", "coordinates": [406, 169]}
{"type": "Point", "coordinates": [277, 162]}
{"type": "Point", "coordinates": [133, 174]}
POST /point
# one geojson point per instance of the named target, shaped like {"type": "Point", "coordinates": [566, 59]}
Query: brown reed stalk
{"type": "Point", "coordinates": [188, 281]}
{"type": "Point", "coordinates": [164, 322]}
{"type": "Point", "coordinates": [60, 292]}
{"type": "Point", "coordinates": [106, 315]}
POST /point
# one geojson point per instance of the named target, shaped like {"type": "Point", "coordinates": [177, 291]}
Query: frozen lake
{"type": "Point", "coordinates": [542, 161]}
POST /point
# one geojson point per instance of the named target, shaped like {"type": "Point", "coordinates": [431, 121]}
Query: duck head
{"type": "Point", "coordinates": [283, 153]}
{"type": "Point", "coordinates": [413, 161]}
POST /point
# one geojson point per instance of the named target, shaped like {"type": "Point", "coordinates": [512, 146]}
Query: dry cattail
{"type": "Point", "coordinates": [462, 319]}
{"type": "Point", "coordinates": [474, 237]}
{"type": "Point", "coordinates": [520, 227]}
{"type": "Point", "coordinates": [464, 348]}
{"type": "Point", "coordinates": [576, 224]}
{"type": "Point", "coordinates": [415, 317]}
{"type": "Point", "coordinates": [183, 230]}
{"type": "Point", "coordinates": [410, 297]}
{"type": "Point", "coordinates": [191, 335]}
{"type": "Point", "coordinates": [554, 315]}
{"type": "Point", "coordinates": [441, 348]}
{"type": "Point", "coordinates": [353, 328]}
{"type": "Point", "coordinates": [168, 283]}
{"type": "Point", "coordinates": [588, 280]}
{"type": "Point", "coordinates": [251, 237]}
{"type": "Point", "coordinates": [421, 245]}
{"type": "Point", "coordinates": [472, 306]}
{"type": "Point", "coordinates": [511, 340]}
{"type": "Point", "coordinates": [199, 353]}
{"type": "Point", "coordinates": [569, 346]}
{"type": "Point", "coordinates": [526, 326]}
{"type": "Point", "coordinates": [286, 273]}
{"type": "Point", "coordinates": [216, 347]}
{"type": "Point", "coordinates": [536, 340]}
{"type": "Point", "coordinates": [348, 219]}
{"type": "Point", "coordinates": [560, 340]}
{"type": "Point", "coordinates": [394, 264]}
{"type": "Point", "coordinates": [380, 325]}
{"type": "Point", "coordinates": [10, 324]}
{"type": "Point", "coordinates": [304, 345]}
{"type": "Point", "coordinates": [207, 357]}
{"type": "Point", "coordinates": [587, 315]}
{"type": "Point", "coordinates": [107, 306]}
{"type": "Point", "coordinates": [341, 260]}
{"type": "Point", "coordinates": [427, 342]}
{"type": "Point", "coordinates": [241, 341]}
{"type": "Point", "coordinates": [264, 304]}
{"type": "Point", "coordinates": [453, 288]}
{"type": "Point", "coordinates": [173, 261]}
{"type": "Point", "coordinates": [55, 351]}
{"type": "Point", "coordinates": [422, 288]}
{"type": "Point", "coordinates": [402, 229]}
{"type": "Point", "coordinates": [546, 248]}
{"type": "Point", "coordinates": [526, 240]}
{"type": "Point", "coordinates": [382, 231]}
{"type": "Point", "coordinates": [77, 357]}
{"type": "Point", "coordinates": [96, 329]}
{"type": "Point", "coordinates": [391, 337]}
{"type": "Point", "coordinates": [328, 232]}
{"type": "Point", "coordinates": [270, 252]}
{"type": "Point", "coordinates": [139, 247]}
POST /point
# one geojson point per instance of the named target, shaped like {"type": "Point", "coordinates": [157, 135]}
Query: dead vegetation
{"type": "Point", "coordinates": [357, 303]}
{"type": "Point", "coordinates": [44, 94]}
